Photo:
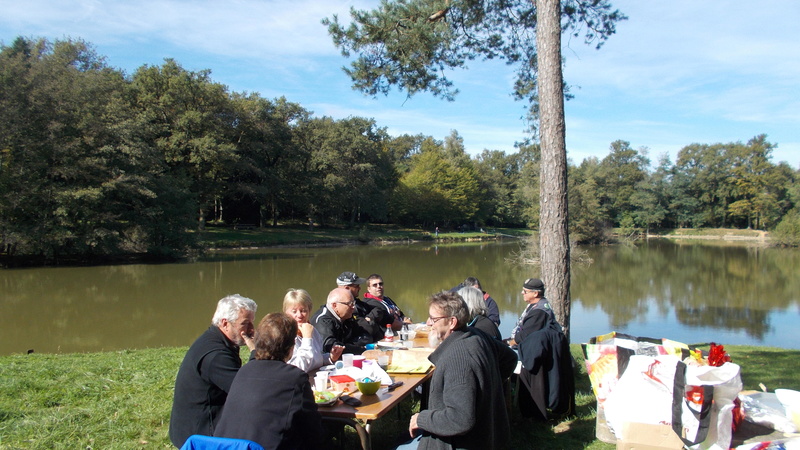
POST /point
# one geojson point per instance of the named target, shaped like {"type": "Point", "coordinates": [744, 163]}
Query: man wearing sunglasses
{"type": "Point", "coordinates": [375, 292]}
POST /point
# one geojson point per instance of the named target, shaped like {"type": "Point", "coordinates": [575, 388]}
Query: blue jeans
{"type": "Point", "coordinates": [409, 445]}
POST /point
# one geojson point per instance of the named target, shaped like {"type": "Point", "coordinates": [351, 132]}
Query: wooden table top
{"type": "Point", "coordinates": [375, 406]}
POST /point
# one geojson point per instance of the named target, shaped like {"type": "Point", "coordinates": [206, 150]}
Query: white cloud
{"type": "Point", "coordinates": [675, 73]}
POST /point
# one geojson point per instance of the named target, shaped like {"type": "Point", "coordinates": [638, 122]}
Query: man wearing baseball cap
{"type": "Point", "coordinates": [538, 312]}
{"type": "Point", "coordinates": [547, 383]}
{"type": "Point", "coordinates": [370, 314]}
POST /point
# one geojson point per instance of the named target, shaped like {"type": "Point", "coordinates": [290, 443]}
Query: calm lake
{"type": "Point", "coordinates": [690, 292]}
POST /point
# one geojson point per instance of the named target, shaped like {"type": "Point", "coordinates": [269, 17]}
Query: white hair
{"type": "Point", "coordinates": [473, 297]}
{"type": "Point", "coordinates": [229, 307]}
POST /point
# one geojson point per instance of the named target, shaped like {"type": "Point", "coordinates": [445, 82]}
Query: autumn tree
{"type": "Point", "coordinates": [411, 44]}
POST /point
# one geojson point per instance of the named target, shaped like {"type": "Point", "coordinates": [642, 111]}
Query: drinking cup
{"type": "Point", "coordinates": [383, 361]}
{"type": "Point", "coordinates": [347, 358]}
{"type": "Point", "coordinates": [321, 383]}
{"type": "Point", "coordinates": [408, 344]}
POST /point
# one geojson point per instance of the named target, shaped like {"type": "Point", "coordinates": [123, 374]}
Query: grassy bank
{"type": "Point", "coordinates": [122, 400]}
{"type": "Point", "coordinates": [227, 237]}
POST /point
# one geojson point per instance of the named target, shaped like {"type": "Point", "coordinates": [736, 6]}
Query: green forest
{"type": "Point", "coordinates": [94, 161]}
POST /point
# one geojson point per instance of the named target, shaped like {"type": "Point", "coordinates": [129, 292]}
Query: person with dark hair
{"type": "Point", "coordinates": [493, 311]}
{"type": "Point", "coordinates": [208, 369]}
{"type": "Point", "coordinates": [466, 405]}
{"type": "Point", "coordinates": [375, 291]}
{"type": "Point", "coordinates": [270, 401]}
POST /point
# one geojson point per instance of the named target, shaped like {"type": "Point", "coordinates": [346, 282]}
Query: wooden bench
{"type": "Point", "coordinates": [244, 226]}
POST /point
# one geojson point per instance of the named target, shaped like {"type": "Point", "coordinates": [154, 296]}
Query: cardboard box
{"type": "Point", "coordinates": [645, 436]}
{"type": "Point", "coordinates": [344, 383]}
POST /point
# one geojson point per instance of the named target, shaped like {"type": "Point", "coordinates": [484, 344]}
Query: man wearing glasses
{"type": "Point", "coordinates": [370, 313]}
{"type": "Point", "coordinates": [466, 405]}
{"type": "Point", "coordinates": [335, 323]}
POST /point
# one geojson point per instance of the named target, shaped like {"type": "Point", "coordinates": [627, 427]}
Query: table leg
{"type": "Point", "coordinates": [362, 430]}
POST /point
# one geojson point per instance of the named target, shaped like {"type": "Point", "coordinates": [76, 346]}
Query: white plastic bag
{"type": "Point", "coordinates": [705, 423]}
{"type": "Point", "coordinates": [643, 393]}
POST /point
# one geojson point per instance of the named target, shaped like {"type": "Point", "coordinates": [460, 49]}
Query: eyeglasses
{"type": "Point", "coordinates": [349, 304]}
{"type": "Point", "coordinates": [376, 284]}
{"type": "Point", "coordinates": [526, 291]}
{"type": "Point", "coordinates": [436, 319]}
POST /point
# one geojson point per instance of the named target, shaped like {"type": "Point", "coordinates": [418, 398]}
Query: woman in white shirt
{"type": "Point", "coordinates": [307, 354]}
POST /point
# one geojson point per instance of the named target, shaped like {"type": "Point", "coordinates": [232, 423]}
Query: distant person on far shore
{"type": "Point", "coordinates": [208, 369]}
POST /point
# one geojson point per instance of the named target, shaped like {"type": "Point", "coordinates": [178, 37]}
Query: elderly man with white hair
{"type": "Point", "coordinates": [206, 374]}
{"type": "Point", "coordinates": [334, 321]}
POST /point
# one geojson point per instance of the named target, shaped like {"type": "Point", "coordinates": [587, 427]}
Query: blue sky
{"type": "Point", "coordinates": [676, 73]}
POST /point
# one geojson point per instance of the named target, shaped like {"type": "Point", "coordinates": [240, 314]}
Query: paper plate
{"type": "Point", "coordinates": [326, 398]}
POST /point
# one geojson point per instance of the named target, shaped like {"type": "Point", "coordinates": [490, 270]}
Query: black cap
{"type": "Point", "coordinates": [348, 278]}
{"type": "Point", "coordinates": [533, 284]}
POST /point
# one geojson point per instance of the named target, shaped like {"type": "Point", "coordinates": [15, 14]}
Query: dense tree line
{"type": "Point", "coordinates": [97, 162]}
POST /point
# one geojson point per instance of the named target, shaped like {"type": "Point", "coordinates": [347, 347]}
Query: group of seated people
{"type": "Point", "coordinates": [269, 399]}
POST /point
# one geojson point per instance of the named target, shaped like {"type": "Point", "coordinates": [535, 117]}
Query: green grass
{"type": "Point", "coordinates": [122, 400]}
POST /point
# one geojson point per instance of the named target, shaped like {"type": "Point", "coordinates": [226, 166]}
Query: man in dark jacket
{"type": "Point", "coordinates": [370, 313]}
{"type": "Point", "coordinates": [335, 323]}
{"type": "Point", "coordinates": [466, 406]}
{"type": "Point", "coordinates": [206, 374]}
{"type": "Point", "coordinates": [547, 378]}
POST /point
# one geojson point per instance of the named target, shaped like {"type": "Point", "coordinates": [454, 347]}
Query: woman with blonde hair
{"type": "Point", "coordinates": [308, 354]}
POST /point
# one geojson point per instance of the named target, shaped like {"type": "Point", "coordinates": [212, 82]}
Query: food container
{"type": "Point", "coordinates": [368, 387]}
{"type": "Point", "coordinates": [344, 383]}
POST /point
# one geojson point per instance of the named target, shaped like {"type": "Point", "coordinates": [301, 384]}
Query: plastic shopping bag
{"type": "Point", "coordinates": [703, 404]}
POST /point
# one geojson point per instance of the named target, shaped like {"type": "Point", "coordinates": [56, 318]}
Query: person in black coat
{"type": "Point", "coordinates": [208, 369]}
{"type": "Point", "coordinates": [547, 378]}
{"type": "Point", "coordinates": [371, 315]}
{"type": "Point", "coordinates": [270, 401]}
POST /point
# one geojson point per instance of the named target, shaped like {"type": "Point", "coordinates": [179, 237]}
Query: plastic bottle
{"type": "Point", "coordinates": [388, 336]}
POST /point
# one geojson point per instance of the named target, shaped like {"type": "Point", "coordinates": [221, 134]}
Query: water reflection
{"type": "Point", "coordinates": [693, 293]}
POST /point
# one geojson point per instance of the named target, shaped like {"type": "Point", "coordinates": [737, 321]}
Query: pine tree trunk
{"type": "Point", "coordinates": [553, 221]}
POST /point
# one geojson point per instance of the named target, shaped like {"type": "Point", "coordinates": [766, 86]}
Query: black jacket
{"type": "Point", "coordinates": [271, 403]}
{"type": "Point", "coordinates": [547, 363]}
{"type": "Point", "coordinates": [339, 332]}
{"type": "Point", "coordinates": [202, 385]}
